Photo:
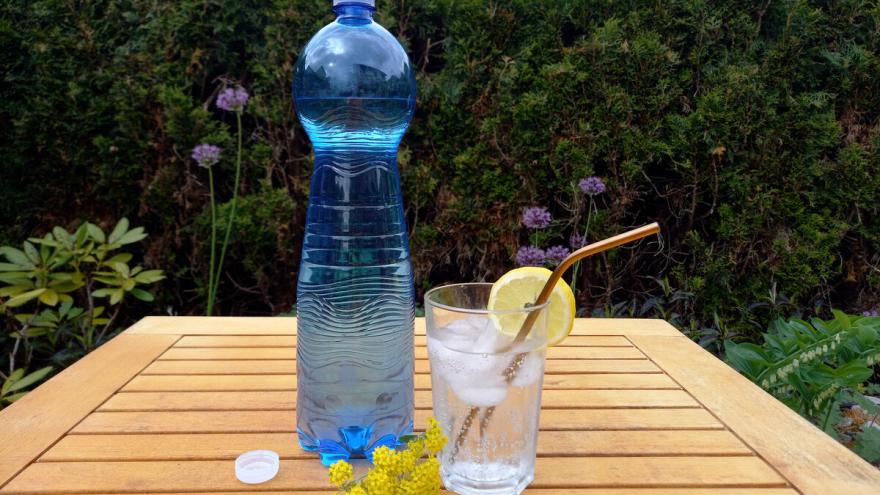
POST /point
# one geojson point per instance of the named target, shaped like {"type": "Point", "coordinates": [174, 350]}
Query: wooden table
{"type": "Point", "coordinates": [629, 406]}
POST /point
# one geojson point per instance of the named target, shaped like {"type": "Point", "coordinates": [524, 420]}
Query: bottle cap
{"type": "Point", "coordinates": [256, 466]}
{"type": "Point", "coordinates": [368, 3]}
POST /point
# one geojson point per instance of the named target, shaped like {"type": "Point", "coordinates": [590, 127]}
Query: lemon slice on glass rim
{"type": "Point", "coordinates": [520, 287]}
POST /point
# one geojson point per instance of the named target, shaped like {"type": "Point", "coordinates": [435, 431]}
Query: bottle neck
{"type": "Point", "coordinates": [354, 12]}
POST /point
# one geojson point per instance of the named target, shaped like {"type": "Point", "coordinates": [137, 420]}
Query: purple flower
{"type": "Point", "coordinates": [233, 100]}
{"type": "Point", "coordinates": [530, 256]}
{"type": "Point", "coordinates": [536, 218]}
{"type": "Point", "coordinates": [556, 254]}
{"type": "Point", "coordinates": [871, 312]}
{"type": "Point", "coordinates": [592, 185]}
{"type": "Point", "coordinates": [206, 155]}
{"type": "Point", "coordinates": [577, 241]}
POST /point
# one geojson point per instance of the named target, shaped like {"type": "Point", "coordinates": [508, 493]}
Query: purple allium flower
{"type": "Point", "coordinates": [592, 185]}
{"type": "Point", "coordinates": [530, 256]}
{"type": "Point", "coordinates": [206, 155]}
{"type": "Point", "coordinates": [536, 218]}
{"type": "Point", "coordinates": [556, 254]}
{"type": "Point", "coordinates": [871, 312]}
{"type": "Point", "coordinates": [233, 99]}
{"type": "Point", "coordinates": [577, 241]}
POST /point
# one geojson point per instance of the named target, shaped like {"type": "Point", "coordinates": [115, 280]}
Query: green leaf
{"type": "Point", "coordinates": [13, 377]}
{"type": "Point", "coordinates": [49, 297]}
{"type": "Point", "coordinates": [868, 444]}
{"type": "Point", "coordinates": [119, 258]}
{"type": "Point", "coordinates": [31, 252]}
{"type": "Point", "coordinates": [61, 235]}
{"type": "Point", "coordinates": [14, 290]}
{"type": "Point", "coordinates": [133, 235]}
{"type": "Point", "coordinates": [122, 268]}
{"type": "Point", "coordinates": [16, 278]}
{"type": "Point", "coordinates": [14, 397]}
{"type": "Point", "coordinates": [24, 298]}
{"type": "Point", "coordinates": [103, 292]}
{"type": "Point", "coordinates": [118, 231]}
{"type": "Point", "coordinates": [96, 233]}
{"type": "Point", "coordinates": [142, 295]}
{"type": "Point", "coordinates": [81, 233]}
{"type": "Point", "coordinates": [116, 296]}
{"type": "Point", "coordinates": [747, 358]}
{"type": "Point", "coordinates": [16, 256]}
{"type": "Point", "coordinates": [149, 276]}
{"type": "Point", "coordinates": [853, 372]}
{"type": "Point", "coordinates": [128, 284]}
{"type": "Point", "coordinates": [31, 379]}
{"type": "Point", "coordinates": [10, 267]}
{"type": "Point", "coordinates": [62, 287]}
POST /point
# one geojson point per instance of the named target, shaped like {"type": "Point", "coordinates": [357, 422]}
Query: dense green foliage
{"type": "Point", "coordinates": [748, 129]}
{"type": "Point", "coordinates": [816, 367]}
{"type": "Point", "coordinates": [52, 299]}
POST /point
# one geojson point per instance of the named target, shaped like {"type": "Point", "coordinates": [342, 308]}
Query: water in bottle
{"type": "Point", "coordinates": [354, 90]}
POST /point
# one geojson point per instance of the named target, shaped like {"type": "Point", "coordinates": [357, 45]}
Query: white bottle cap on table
{"type": "Point", "coordinates": [256, 466]}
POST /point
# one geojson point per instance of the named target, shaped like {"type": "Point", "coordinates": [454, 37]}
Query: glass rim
{"type": "Point", "coordinates": [474, 311]}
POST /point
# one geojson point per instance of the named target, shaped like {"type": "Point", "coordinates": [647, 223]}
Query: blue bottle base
{"type": "Point", "coordinates": [352, 443]}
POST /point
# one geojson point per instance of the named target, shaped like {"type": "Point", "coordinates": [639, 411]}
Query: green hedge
{"type": "Point", "coordinates": [748, 129]}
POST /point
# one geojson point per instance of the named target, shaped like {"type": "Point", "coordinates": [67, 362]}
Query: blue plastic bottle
{"type": "Point", "coordinates": [355, 92]}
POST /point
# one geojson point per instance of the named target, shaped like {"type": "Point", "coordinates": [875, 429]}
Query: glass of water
{"type": "Point", "coordinates": [486, 388]}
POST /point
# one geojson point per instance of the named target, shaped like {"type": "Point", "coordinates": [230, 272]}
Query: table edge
{"type": "Point", "coordinates": [822, 466]}
{"type": "Point", "coordinates": [281, 325]}
{"type": "Point", "coordinates": [39, 419]}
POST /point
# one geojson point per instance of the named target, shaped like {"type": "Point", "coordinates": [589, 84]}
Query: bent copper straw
{"type": "Point", "coordinates": [510, 371]}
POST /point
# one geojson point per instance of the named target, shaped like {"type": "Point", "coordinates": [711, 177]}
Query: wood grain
{"type": "Point", "coordinates": [290, 341]}
{"type": "Point", "coordinates": [34, 422]}
{"type": "Point", "coordinates": [228, 446]}
{"type": "Point", "coordinates": [814, 462]}
{"type": "Point", "coordinates": [282, 421]}
{"type": "Point", "coordinates": [268, 367]}
{"type": "Point", "coordinates": [273, 325]}
{"type": "Point", "coordinates": [257, 353]}
{"type": "Point", "coordinates": [551, 399]}
{"type": "Point", "coordinates": [600, 381]}
{"type": "Point", "coordinates": [551, 472]}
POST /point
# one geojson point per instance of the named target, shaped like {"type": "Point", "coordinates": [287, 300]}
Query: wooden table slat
{"type": "Point", "coordinates": [270, 367]}
{"type": "Point", "coordinates": [551, 472]}
{"type": "Point", "coordinates": [420, 340]}
{"type": "Point", "coordinates": [258, 353]}
{"type": "Point", "coordinates": [228, 446]}
{"type": "Point", "coordinates": [282, 421]}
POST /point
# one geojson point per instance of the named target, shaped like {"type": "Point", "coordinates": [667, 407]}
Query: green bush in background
{"type": "Point", "coordinates": [748, 129]}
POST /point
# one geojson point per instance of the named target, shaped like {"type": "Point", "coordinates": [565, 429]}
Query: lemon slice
{"type": "Point", "coordinates": [520, 287]}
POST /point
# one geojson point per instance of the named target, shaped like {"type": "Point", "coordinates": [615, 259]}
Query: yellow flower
{"type": "Point", "coordinates": [387, 460]}
{"type": "Point", "coordinates": [357, 490]}
{"type": "Point", "coordinates": [424, 479]}
{"type": "Point", "coordinates": [434, 438]}
{"type": "Point", "coordinates": [341, 473]}
{"type": "Point", "coordinates": [377, 481]}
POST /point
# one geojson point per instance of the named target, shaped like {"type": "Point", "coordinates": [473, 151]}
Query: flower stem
{"type": "Point", "coordinates": [231, 219]}
{"type": "Point", "coordinates": [574, 270]}
{"type": "Point", "coordinates": [210, 308]}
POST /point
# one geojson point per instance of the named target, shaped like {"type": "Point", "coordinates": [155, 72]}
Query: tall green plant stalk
{"type": "Point", "coordinates": [216, 273]}
{"type": "Point", "coordinates": [574, 271]}
{"type": "Point", "coordinates": [210, 309]}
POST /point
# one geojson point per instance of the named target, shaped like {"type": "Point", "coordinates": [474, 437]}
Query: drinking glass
{"type": "Point", "coordinates": [486, 388]}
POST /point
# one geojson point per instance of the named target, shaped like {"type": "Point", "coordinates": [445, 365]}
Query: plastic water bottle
{"type": "Point", "coordinates": [355, 91]}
